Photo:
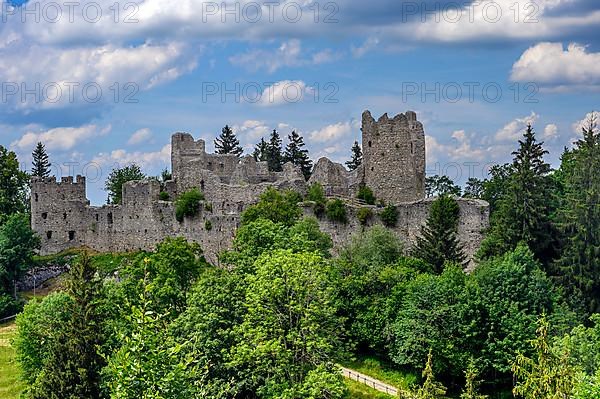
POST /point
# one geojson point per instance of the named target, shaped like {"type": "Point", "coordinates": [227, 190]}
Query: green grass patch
{"type": "Point", "coordinates": [382, 371]}
{"type": "Point", "coordinates": [356, 390]}
{"type": "Point", "coordinates": [111, 262]}
{"type": "Point", "coordinates": [11, 385]}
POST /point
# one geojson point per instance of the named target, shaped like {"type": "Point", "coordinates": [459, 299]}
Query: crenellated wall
{"type": "Point", "coordinates": [393, 166]}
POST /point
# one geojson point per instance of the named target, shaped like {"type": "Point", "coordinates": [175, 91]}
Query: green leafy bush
{"type": "Point", "coordinates": [317, 195]}
{"type": "Point", "coordinates": [208, 206]}
{"type": "Point", "coordinates": [279, 207]}
{"type": "Point", "coordinates": [364, 214]}
{"type": "Point", "coordinates": [336, 211]}
{"type": "Point", "coordinates": [188, 204]}
{"type": "Point", "coordinates": [208, 225]}
{"type": "Point", "coordinates": [163, 196]}
{"type": "Point", "coordinates": [389, 216]}
{"type": "Point", "coordinates": [366, 194]}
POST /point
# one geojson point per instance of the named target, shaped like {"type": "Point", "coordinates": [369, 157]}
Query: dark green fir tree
{"type": "Point", "coordinates": [357, 157]}
{"type": "Point", "coordinates": [297, 154]}
{"type": "Point", "coordinates": [41, 164]}
{"type": "Point", "coordinates": [227, 143]}
{"type": "Point", "coordinates": [438, 242]}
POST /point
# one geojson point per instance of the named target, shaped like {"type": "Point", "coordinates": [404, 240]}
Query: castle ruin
{"type": "Point", "coordinates": [393, 167]}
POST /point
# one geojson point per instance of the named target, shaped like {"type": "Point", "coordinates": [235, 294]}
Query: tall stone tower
{"type": "Point", "coordinates": [394, 156]}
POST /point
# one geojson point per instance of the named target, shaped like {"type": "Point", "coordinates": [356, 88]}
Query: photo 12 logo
{"type": "Point", "coordinates": [67, 93]}
{"type": "Point", "coordinates": [128, 12]}
{"type": "Point", "coordinates": [71, 11]}
{"type": "Point", "coordinates": [270, 93]}
{"type": "Point", "coordinates": [453, 92]}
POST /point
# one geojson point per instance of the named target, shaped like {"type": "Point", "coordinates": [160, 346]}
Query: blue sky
{"type": "Point", "coordinates": [174, 58]}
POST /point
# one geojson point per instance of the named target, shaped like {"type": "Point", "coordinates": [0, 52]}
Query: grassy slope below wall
{"type": "Point", "coordinates": [10, 384]}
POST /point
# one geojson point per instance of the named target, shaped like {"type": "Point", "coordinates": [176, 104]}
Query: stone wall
{"type": "Point", "coordinates": [394, 164]}
{"type": "Point", "coordinates": [394, 156]}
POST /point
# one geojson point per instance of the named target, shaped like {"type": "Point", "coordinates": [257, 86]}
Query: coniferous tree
{"type": "Point", "coordinates": [260, 150]}
{"type": "Point", "coordinates": [357, 157]}
{"type": "Point", "coordinates": [524, 208]}
{"type": "Point", "coordinates": [549, 375]}
{"type": "Point", "coordinates": [227, 143]}
{"type": "Point", "coordinates": [297, 154]}
{"type": "Point", "coordinates": [73, 367]}
{"type": "Point", "coordinates": [579, 219]}
{"type": "Point", "coordinates": [439, 242]}
{"type": "Point", "coordinates": [274, 155]}
{"type": "Point", "coordinates": [41, 165]}
{"type": "Point", "coordinates": [431, 389]}
{"type": "Point", "coordinates": [471, 390]}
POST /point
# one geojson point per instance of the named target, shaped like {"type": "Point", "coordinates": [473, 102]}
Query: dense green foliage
{"type": "Point", "coordinates": [389, 216]}
{"type": "Point", "coordinates": [41, 164]}
{"type": "Point", "coordinates": [275, 206]}
{"type": "Point", "coordinates": [524, 209]}
{"type": "Point", "coordinates": [363, 215]}
{"type": "Point", "coordinates": [118, 177]}
{"type": "Point", "coordinates": [17, 245]}
{"type": "Point", "coordinates": [188, 204]}
{"type": "Point", "coordinates": [438, 242]}
{"type": "Point", "coordinates": [227, 143]}
{"type": "Point", "coordinates": [366, 194]}
{"type": "Point", "coordinates": [579, 219]}
{"type": "Point", "coordinates": [13, 185]}
{"type": "Point", "coordinates": [335, 210]}
{"type": "Point", "coordinates": [71, 368]}
{"type": "Point", "coordinates": [316, 194]}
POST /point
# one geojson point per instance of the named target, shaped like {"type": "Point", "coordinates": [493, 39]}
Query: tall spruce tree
{"type": "Point", "coordinates": [274, 155]}
{"type": "Point", "coordinates": [227, 143]}
{"type": "Point", "coordinates": [523, 212]}
{"type": "Point", "coordinates": [357, 157]}
{"type": "Point", "coordinates": [41, 165]}
{"type": "Point", "coordinates": [579, 219]}
{"type": "Point", "coordinates": [260, 150]}
{"type": "Point", "coordinates": [73, 367]}
{"type": "Point", "coordinates": [438, 242]}
{"type": "Point", "coordinates": [297, 154]}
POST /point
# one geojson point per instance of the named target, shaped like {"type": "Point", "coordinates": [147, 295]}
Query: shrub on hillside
{"type": "Point", "coordinates": [336, 211]}
{"type": "Point", "coordinates": [389, 216]}
{"type": "Point", "coordinates": [366, 194]}
{"type": "Point", "coordinates": [188, 204]}
{"type": "Point", "coordinates": [364, 214]}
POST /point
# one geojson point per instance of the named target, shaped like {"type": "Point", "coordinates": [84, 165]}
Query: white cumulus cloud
{"type": "Point", "coordinates": [513, 130]}
{"type": "Point", "coordinates": [60, 138]}
{"type": "Point", "coordinates": [551, 65]}
{"type": "Point", "coordinates": [332, 132]}
{"type": "Point", "coordinates": [140, 136]}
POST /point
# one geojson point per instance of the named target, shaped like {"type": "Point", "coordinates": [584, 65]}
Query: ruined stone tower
{"type": "Point", "coordinates": [394, 157]}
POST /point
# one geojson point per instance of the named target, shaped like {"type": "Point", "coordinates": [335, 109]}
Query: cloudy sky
{"type": "Point", "coordinates": [105, 83]}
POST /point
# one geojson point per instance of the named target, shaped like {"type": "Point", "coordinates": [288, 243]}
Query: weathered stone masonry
{"type": "Point", "coordinates": [393, 167]}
